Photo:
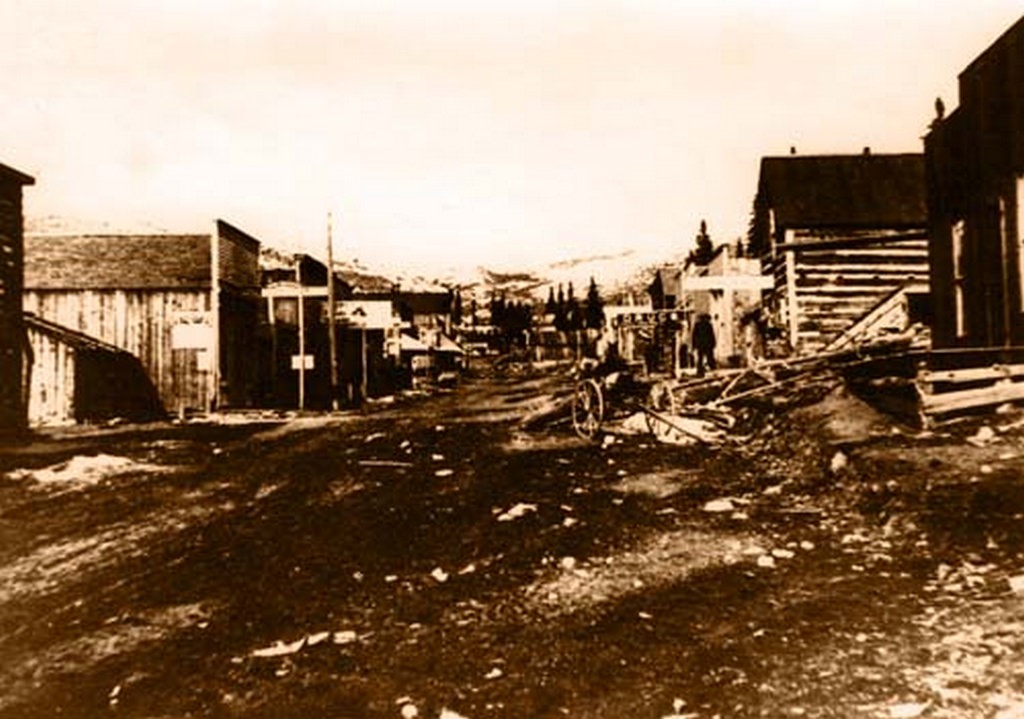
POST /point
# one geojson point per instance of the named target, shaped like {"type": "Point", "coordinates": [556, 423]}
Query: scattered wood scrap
{"type": "Point", "coordinates": [962, 382]}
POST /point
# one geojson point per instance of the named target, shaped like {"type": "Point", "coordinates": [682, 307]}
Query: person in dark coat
{"type": "Point", "coordinates": [704, 344]}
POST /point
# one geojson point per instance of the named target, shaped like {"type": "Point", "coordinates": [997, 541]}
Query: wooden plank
{"type": "Point", "coordinates": [838, 290]}
{"type": "Point", "coordinates": [972, 398]}
{"type": "Point", "coordinates": [973, 374]}
{"type": "Point", "coordinates": [826, 263]}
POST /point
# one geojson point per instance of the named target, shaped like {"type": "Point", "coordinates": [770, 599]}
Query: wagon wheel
{"type": "Point", "coordinates": [587, 408]}
{"type": "Point", "coordinates": [661, 406]}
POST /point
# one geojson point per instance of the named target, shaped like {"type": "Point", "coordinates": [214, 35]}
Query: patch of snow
{"type": "Point", "coordinates": [85, 470]}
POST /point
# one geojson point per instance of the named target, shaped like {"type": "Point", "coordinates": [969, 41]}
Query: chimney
{"type": "Point", "coordinates": [792, 150]}
{"type": "Point", "coordinates": [867, 150]}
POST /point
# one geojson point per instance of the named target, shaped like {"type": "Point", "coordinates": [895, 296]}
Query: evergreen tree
{"type": "Point", "coordinates": [497, 311]}
{"type": "Point", "coordinates": [593, 311]}
{"type": "Point", "coordinates": [457, 308]}
{"type": "Point", "coordinates": [758, 233]}
{"type": "Point", "coordinates": [703, 249]}
{"type": "Point", "coordinates": [573, 316]}
{"type": "Point", "coordinates": [560, 315]}
{"type": "Point", "coordinates": [550, 306]}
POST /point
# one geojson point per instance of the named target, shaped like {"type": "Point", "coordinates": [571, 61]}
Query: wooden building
{"type": "Point", "coordinates": [295, 292]}
{"type": "Point", "coordinates": [13, 341]}
{"type": "Point", "coordinates": [186, 305]}
{"type": "Point", "coordinates": [726, 289]}
{"type": "Point", "coordinates": [839, 234]}
{"type": "Point", "coordinates": [975, 171]}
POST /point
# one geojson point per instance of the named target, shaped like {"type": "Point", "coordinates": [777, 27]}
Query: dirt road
{"type": "Point", "coordinates": [431, 559]}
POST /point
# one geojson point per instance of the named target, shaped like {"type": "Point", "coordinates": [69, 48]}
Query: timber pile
{"type": "Point", "coordinates": [944, 393]}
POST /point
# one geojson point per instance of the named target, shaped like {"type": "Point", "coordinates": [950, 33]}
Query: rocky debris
{"type": "Point", "coordinates": [724, 504]}
{"type": "Point", "coordinates": [281, 648]}
{"type": "Point", "coordinates": [517, 511]}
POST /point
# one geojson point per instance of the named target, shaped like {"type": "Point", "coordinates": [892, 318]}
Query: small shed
{"type": "Point", "coordinates": [77, 378]}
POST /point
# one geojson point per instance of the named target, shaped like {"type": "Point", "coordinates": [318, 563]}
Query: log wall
{"type": "Point", "coordinates": [822, 290]}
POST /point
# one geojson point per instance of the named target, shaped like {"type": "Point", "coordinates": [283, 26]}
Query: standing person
{"type": "Point", "coordinates": [704, 344]}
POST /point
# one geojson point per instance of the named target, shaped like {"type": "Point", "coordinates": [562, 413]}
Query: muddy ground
{"type": "Point", "coordinates": [431, 558]}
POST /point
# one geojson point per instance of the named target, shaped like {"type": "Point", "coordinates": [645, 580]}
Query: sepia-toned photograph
{"type": "Point", "coordinates": [512, 359]}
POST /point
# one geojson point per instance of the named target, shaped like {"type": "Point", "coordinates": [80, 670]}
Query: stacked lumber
{"type": "Point", "coordinates": [946, 392]}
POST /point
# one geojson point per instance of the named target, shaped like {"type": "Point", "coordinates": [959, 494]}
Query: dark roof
{"type": "Point", "coordinates": [9, 174]}
{"type": "Point", "coordinates": [845, 190]}
{"type": "Point", "coordinates": [413, 303]}
{"type": "Point", "coordinates": [426, 303]}
{"type": "Point", "coordinates": [117, 262]}
{"type": "Point", "coordinates": [226, 229]}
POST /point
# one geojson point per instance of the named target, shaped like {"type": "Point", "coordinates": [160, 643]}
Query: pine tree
{"type": "Point", "coordinates": [457, 309]}
{"type": "Point", "coordinates": [759, 233]}
{"type": "Point", "coordinates": [703, 249]}
{"type": "Point", "coordinates": [560, 311]}
{"type": "Point", "coordinates": [573, 316]}
{"type": "Point", "coordinates": [550, 306]}
{"type": "Point", "coordinates": [593, 317]}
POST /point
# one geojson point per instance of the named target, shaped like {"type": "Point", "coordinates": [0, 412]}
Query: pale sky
{"type": "Point", "coordinates": [460, 132]}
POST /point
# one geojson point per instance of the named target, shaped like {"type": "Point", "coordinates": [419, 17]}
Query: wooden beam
{"type": "Point", "coordinates": [973, 374]}
{"type": "Point", "coordinates": [972, 398]}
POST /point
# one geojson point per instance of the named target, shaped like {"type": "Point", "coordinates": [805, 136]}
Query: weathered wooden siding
{"type": "Point", "coordinates": [832, 286]}
{"type": "Point", "coordinates": [52, 386]}
{"type": "Point", "coordinates": [975, 162]}
{"type": "Point", "coordinates": [238, 257]}
{"type": "Point", "coordinates": [142, 323]}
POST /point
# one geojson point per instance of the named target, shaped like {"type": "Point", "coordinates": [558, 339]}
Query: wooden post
{"type": "Point", "coordinates": [791, 301]}
{"type": "Point", "coordinates": [273, 346]}
{"type": "Point", "coordinates": [1005, 251]}
{"type": "Point", "coordinates": [363, 384]}
{"type": "Point", "coordinates": [214, 356]}
{"type": "Point", "coordinates": [302, 333]}
{"type": "Point", "coordinates": [332, 336]}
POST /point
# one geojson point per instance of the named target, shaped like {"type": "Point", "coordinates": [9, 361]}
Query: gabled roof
{"type": "Point", "coordinates": [124, 262]}
{"type": "Point", "coordinates": [426, 303]}
{"type": "Point", "coordinates": [865, 191]}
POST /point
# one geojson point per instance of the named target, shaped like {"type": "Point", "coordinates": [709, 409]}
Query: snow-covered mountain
{"type": "Point", "coordinates": [617, 276]}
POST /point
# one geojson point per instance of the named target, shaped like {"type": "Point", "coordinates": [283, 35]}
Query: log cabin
{"type": "Point", "coordinates": [839, 235]}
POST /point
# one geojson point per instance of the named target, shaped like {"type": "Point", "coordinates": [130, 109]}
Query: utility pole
{"type": "Point", "coordinates": [332, 332]}
{"type": "Point", "coordinates": [302, 333]}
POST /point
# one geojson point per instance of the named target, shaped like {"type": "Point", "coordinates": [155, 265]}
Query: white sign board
{"type": "Point", "coordinates": [191, 336]}
{"type": "Point", "coordinates": [728, 282]}
{"type": "Point", "coordinates": [302, 361]}
{"type": "Point", "coordinates": [366, 314]}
